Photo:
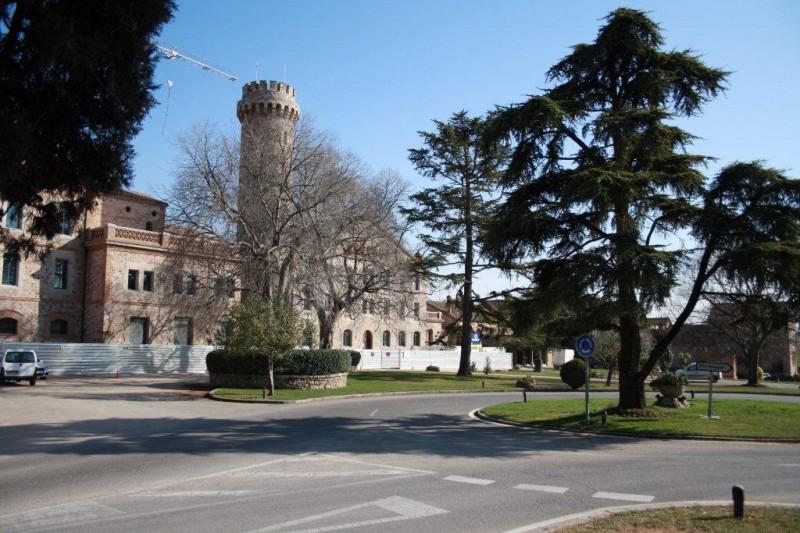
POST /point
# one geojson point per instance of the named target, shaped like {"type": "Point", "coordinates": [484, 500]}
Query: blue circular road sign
{"type": "Point", "coordinates": [585, 345]}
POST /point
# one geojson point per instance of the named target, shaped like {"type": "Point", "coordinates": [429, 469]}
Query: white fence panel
{"type": "Point", "coordinates": [447, 359]}
{"type": "Point", "coordinates": [108, 359]}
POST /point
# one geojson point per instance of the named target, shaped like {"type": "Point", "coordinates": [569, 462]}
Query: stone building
{"type": "Point", "coordinates": [121, 275]}
{"type": "Point", "coordinates": [117, 276]}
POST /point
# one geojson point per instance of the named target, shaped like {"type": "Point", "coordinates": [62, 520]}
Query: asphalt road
{"type": "Point", "coordinates": [152, 454]}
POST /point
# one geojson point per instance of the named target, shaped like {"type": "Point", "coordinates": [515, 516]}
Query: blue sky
{"type": "Point", "coordinates": [375, 72]}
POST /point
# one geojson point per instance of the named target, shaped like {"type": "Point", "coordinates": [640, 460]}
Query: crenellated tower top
{"type": "Point", "coordinates": [267, 98]}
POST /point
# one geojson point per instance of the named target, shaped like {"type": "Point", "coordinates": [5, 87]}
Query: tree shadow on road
{"type": "Point", "coordinates": [432, 435]}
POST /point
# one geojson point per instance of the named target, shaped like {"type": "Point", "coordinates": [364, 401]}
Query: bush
{"type": "Point", "coordinates": [303, 362]}
{"type": "Point", "coordinates": [796, 377]}
{"type": "Point", "coordinates": [669, 379]}
{"type": "Point", "coordinates": [432, 368]}
{"type": "Point", "coordinates": [355, 358]}
{"type": "Point", "coordinates": [573, 373]}
{"type": "Point", "coordinates": [314, 362]}
{"type": "Point", "coordinates": [527, 383]}
{"type": "Point", "coordinates": [229, 362]}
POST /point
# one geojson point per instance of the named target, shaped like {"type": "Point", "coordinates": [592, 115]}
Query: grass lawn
{"type": "Point", "coordinates": [680, 519]}
{"type": "Point", "coordinates": [738, 418]}
{"type": "Point", "coordinates": [372, 381]}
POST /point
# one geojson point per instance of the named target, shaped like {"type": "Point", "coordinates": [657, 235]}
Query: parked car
{"type": "Point", "coordinates": [19, 365]}
{"type": "Point", "coordinates": [42, 370]}
{"type": "Point", "coordinates": [780, 376]}
{"type": "Point", "coordinates": [692, 374]}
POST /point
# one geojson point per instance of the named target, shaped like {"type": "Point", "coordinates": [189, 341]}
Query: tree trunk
{"type": "Point", "coordinates": [610, 375]}
{"type": "Point", "coordinates": [271, 379]}
{"type": "Point", "coordinates": [466, 311]}
{"type": "Point", "coordinates": [631, 380]}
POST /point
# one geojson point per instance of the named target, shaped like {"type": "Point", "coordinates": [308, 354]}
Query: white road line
{"type": "Point", "coordinates": [472, 480]}
{"type": "Point", "coordinates": [624, 497]}
{"type": "Point", "coordinates": [328, 473]}
{"type": "Point", "coordinates": [195, 493]}
{"type": "Point", "coordinates": [405, 508]}
{"type": "Point", "coordinates": [58, 516]}
{"type": "Point", "coordinates": [373, 413]}
{"type": "Point", "coordinates": [542, 488]}
{"type": "Point", "coordinates": [789, 464]}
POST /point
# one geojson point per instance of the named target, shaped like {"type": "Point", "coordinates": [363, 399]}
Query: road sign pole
{"type": "Point", "coordinates": [710, 392]}
{"type": "Point", "coordinates": [586, 386]}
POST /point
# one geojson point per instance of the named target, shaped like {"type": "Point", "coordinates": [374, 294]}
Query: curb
{"type": "Point", "coordinates": [554, 524]}
{"type": "Point", "coordinates": [213, 396]}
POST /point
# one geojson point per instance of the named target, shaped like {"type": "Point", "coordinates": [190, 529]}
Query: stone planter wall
{"type": "Point", "coordinates": [252, 381]}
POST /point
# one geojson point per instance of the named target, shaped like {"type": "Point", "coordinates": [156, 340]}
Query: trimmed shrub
{"type": "Point", "coordinates": [355, 358]}
{"type": "Point", "coordinates": [432, 368]}
{"type": "Point", "coordinates": [314, 362]}
{"type": "Point", "coordinates": [228, 362]}
{"type": "Point", "coordinates": [573, 373]}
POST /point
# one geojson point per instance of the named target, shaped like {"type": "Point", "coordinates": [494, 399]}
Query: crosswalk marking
{"type": "Point", "coordinates": [472, 480]}
{"type": "Point", "coordinates": [542, 488]}
{"type": "Point", "coordinates": [624, 497]}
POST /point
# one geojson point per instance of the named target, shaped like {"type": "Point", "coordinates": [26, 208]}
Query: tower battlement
{"type": "Point", "coordinates": [273, 98]}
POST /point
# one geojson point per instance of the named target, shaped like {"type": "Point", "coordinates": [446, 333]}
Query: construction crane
{"type": "Point", "coordinates": [172, 53]}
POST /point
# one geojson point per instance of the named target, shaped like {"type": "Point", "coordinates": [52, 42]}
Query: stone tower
{"type": "Point", "coordinates": [268, 113]}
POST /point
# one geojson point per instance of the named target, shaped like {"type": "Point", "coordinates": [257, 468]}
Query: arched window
{"type": "Point", "coordinates": [347, 338]}
{"type": "Point", "coordinates": [8, 326]}
{"type": "Point", "coordinates": [417, 339]}
{"type": "Point", "coordinates": [368, 340]}
{"type": "Point", "coordinates": [148, 226]}
{"type": "Point", "coordinates": [387, 338]}
{"type": "Point", "coordinates": [401, 338]}
{"type": "Point", "coordinates": [58, 327]}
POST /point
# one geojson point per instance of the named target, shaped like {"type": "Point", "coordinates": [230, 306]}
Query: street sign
{"type": "Point", "coordinates": [584, 346]}
{"type": "Point", "coordinates": [714, 367]}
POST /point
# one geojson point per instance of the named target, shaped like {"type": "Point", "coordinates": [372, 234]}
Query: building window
{"type": "Point", "coordinates": [347, 338]}
{"type": "Point", "coordinates": [133, 280]}
{"type": "Point", "coordinates": [416, 282]}
{"type": "Point", "coordinates": [14, 216]}
{"type": "Point", "coordinates": [401, 338]}
{"type": "Point", "coordinates": [10, 268]}
{"type": "Point", "coordinates": [60, 275]}
{"type": "Point", "coordinates": [306, 305]}
{"type": "Point", "coordinates": [64, 223]}
{"type": "Point", "coordinates": [58, 327]}
{"type": "Point", "coordinates": [401, 309]}
{"type": "Point", "coordinates": [182, 331]}
{"type": "Point", "coordinates": [371, 307]}
{"type": "Point", "coordinates": [387, 338]}
{"type": "Point", "coordinates": [417, 339]}
{"type": "Point", "coordinates": [8, 326]}
{"type": "Point", "coordinates": [225, 287]}
{"type": "Point", "coordinates": [416, 309]}
{"type": "Point", "coordinates": [138, 331]}
{"type": "Point", "coordinates": [148, 280]}
{"type": "Point", "coordinates": [364, 307]}
{"type": "Point", "coordinates": [148, 226]}
{"type": "Point", "coordinates": [189, 284]}
{"type": "Point", "coordinates": [430, 336]}
{"type": "Point", "coordinates": [387, 308]}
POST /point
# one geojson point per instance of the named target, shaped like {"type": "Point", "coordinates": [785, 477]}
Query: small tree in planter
{"type": "Point", "coordinates": [265, 326]}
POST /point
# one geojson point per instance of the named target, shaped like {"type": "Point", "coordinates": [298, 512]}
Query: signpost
{"type": "Point", "coordinates": [584, 347]}
{"type": "Point", "coordinates": [711, 368]}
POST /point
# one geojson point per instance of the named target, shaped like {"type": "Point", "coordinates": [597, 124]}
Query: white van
{"type": "Point", "coordinates": [692, 374]}
{"type": "Point", "coordinates": [18, 365]}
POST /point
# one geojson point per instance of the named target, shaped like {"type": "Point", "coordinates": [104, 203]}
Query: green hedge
{"type": "Point", "coordinates": [314, 362]}
{"type": "Point", "coordinates": [355, 358]}
{"type": "Point", "coordinates": [225, 362]}
{"type": "Point", "coordinates": [305, 362]}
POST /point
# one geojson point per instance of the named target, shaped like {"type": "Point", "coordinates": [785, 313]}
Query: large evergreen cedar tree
{"type": "Point", "coordinates": [455, 211]}
{"type": "Point", "coordinates": [75, 85]}
{"type": "Point", "coordinates": [600, 179]}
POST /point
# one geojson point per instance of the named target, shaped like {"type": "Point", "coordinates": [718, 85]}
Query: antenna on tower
{"type": "Point", "coordinates": [172, 53]}
{"type": "Point", "coordinates": [256, 70]}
